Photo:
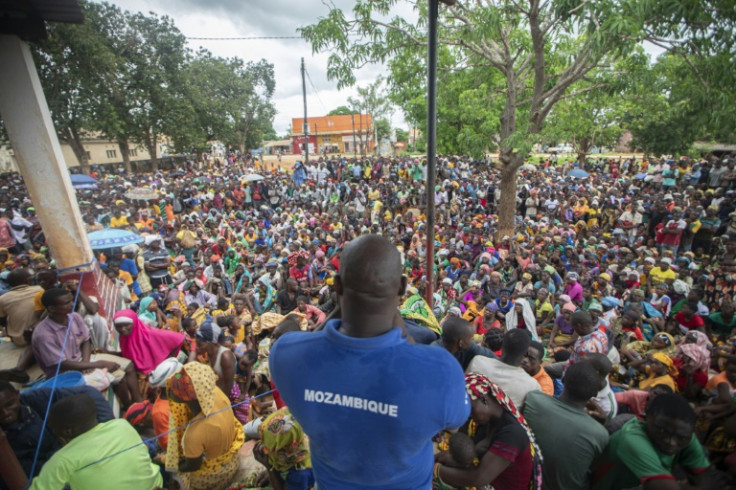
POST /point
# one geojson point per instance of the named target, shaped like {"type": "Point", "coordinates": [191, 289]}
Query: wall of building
{"type": "Point", "coordinates": [99, 152]}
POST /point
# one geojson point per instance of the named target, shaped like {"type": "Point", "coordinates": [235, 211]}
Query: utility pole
{"type": "Point", "coordinates": [431, 140]}
{"type": "Point", "coordinates": [355, 143]}
{"type": "Point", "coordinates": [306, 125]}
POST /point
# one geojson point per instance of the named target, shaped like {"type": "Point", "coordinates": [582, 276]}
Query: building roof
{"type": "Point", "coordinates": [26, 18]}
{"type": "Point", "coordinates": [332, 124]}
{"type": "Point", "coordinates": [271, 144]}
{"type": "Point", "coordinates": [722, 147]}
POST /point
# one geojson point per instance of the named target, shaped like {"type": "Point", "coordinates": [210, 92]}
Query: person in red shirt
{"type": "Point", "coordinates": [335, 260]}
{"type": "Point", "coordinates": [687, 319]}
{"type": "Point", "coordinates": [302, 273]}
{"type": "Point", "coordinates": [672, 231]}
{"type": "Point", "coordinates": [692, 361]}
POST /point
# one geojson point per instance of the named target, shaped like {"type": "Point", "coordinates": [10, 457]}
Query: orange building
{"type": "Point", "coordinates": [336, 134]}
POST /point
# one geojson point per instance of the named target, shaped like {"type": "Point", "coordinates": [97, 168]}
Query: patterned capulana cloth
{"type": "Point", "coordinates": [479, 386]}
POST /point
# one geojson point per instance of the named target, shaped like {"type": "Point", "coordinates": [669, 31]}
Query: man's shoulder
{"type": "Point", "coordinates": [45, 325]}
{"type": "Point", "coordinates": [297, 340]}
{"type": "Point", "coordinates": [632, 435]}
{"type": "Point", "coordinates": [539, 398]}
{"type": "Point", "coordinates": [20, 292]}
{"type": "Point", "coordinates": [483, 363]}
{"type": "Point", "coordinates": [436, 356]}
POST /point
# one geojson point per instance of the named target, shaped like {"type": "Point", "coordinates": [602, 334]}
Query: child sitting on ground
{"type": "Point", "coordinates": [493, 340]}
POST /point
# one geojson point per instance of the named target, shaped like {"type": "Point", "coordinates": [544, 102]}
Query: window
{"type": "Point", "coordinates": [112, 154]}
{"type": "Point", "coordinates": [133, 152]}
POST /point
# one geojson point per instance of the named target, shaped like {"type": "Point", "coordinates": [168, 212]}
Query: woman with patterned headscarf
{"type": "Point", "coordinates": [513, 460]}
{"type": "Point", "coordinates": [284, 450]}
{"type": "Point", "coordinates": [205, 448]}
{"type": "Point", "coordinates": [661, 370]}
{"type": "Point", "coordinates": [693, 363]}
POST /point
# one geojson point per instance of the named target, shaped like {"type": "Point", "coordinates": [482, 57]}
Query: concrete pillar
{"type": "Point", "coordinates": [38, 153]}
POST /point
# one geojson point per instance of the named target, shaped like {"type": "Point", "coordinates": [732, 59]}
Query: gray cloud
{"type": "Point", "coordinates": [237, 18]}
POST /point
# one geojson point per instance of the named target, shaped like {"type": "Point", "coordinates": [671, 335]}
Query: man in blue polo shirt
{"type": "Point", "coordinates": [369, 401]}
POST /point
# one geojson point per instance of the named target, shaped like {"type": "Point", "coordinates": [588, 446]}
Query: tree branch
{"type": "Point", "coordinates": [539, 63]}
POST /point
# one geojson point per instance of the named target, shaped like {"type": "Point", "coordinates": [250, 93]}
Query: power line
{"type": "Point", "coordinates": [252, 38]}
{"type": "Point", "coordinates": [316, 92]}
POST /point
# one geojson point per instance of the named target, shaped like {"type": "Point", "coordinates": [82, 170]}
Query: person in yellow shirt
{"type": "Point", "coordinates": [223, 307]}
{"type": "Point", "coordinates": [125, 276]}
{"type": "Point", "coordinates": [377, 205]}
{"type": "Point", "coordinates": [251, 236]}
{"type": "Point", "coordinates": [662, 273]}
{"type": "Point", "coordinates": [118, 220]}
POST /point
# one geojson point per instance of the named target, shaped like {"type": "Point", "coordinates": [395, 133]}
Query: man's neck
{"type": "Point", "coordinates": [510, 361]}
{"type": "Point", "coordinates": [366, 327]}
{"type": "Point", "coordinates": [577, 404]}
{"type": "Point", "coordinates": [60, 319]}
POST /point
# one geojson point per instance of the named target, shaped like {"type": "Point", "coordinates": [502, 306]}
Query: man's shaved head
{"type": "Point", "coordinates": [371, 265]}
{"type": "Point", "coordinates": [369, 286]}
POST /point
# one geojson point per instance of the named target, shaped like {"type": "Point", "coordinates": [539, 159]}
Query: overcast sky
{"type": "Point", "coordinates": [248, 18]}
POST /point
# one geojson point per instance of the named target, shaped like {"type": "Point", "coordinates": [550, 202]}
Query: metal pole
{"type": "Point", "coordinates": [431, 140]}
{"type": "Point", "coordinates": [306, 126]}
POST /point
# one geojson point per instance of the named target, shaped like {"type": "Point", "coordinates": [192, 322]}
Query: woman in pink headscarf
{"type": "Point", "coordinates": [147, 347]}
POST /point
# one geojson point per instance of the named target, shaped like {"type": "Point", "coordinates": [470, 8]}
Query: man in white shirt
{"type": "Point", "coordinates": [605, 398]}
{"type": "Point", "coordinates": [507, 372]}
{"type": "Point", "coordinates": [19, 228]}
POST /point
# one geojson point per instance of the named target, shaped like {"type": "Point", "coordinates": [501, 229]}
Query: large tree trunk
{"type": "Point", "coordinates": [125, 152]}
{"type": "Point", "coordinates": [154, 157]}
{"type": "Point", "coordinates": [246, 129]}
{"type": "Point", "coordinates": [71, 137]}
{"type": "Point", "coordinates": [582, 158]}
{"type": "Point", "coordinates": [152, 149]}
{"type": "Point", "coordinates": [583, 150]}
{"type": "Point", "coordinates": [507, 203]}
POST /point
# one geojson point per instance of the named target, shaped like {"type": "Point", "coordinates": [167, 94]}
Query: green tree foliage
{"type": "Point", "coordinates": [72, 64]}
{"type": "Point", "coordinates": [130, 77]}
{"type": "Point", "coordinates": [595, 117]}
{"type": "Point", "coordinates": [341, 111]}
{"type": "Point", "coordinates": [505, 65]}
{"type": "Point", "coordinates": [402, 135]}
{"type": "Point", "coordinates": [670, 105]}
{"type": "Point", "coordinates": [232, 99]}
{"type": "Point", "coordinates": [371, 99]}
{"type": "Point", "coordinates": [536, 51]}
{"type": "Point", "coordinates": [468, 102]}
{"type": "Point", "coordinates": [383, 128]}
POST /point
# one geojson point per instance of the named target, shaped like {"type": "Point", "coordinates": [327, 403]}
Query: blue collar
{"type": "Point", "coordinates": [388, 339]}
